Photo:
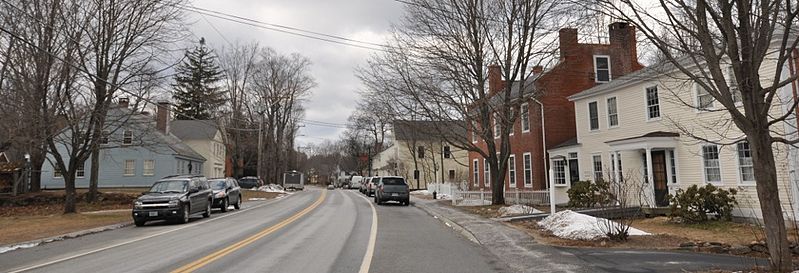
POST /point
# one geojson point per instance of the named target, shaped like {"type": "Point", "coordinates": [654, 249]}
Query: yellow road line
{"type": "Point", "coordinates": [231, 248]}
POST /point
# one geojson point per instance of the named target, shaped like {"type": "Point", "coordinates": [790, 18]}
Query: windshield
{"type": "Point", "coordinates": [170, 186]}
{"type": "Point", "coordinates": [217, 184]}
{"type": "Point", "coordinates": [394, 181]}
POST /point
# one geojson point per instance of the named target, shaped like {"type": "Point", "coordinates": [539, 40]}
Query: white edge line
{"type": "Point", "coordinates": [136, 240]}
{"type": "Point", "coordinates": [370, 248]}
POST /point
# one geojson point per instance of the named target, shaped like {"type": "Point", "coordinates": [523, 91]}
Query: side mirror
{"type": "Point", "coordinates": [194, 190]}
{"type": "Point", "coordinates": [144, 192]}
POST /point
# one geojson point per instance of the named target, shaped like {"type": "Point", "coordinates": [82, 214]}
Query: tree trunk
{"type": "Point", "coordinates": [91, 196]}
{"type": "Point", "coordinates": [70, 198]}
{"type": "Point", "coordinates": [36, 172]}
{"type": "Point", "coordinates": [768, 194]}
{"type": "Point", "coordinates": [497, 184]}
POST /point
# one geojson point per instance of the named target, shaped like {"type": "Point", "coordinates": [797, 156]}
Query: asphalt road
{"type": "Point", "coordinates": [311, 231]}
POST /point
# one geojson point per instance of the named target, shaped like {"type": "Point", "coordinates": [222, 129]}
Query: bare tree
{"type": "Point", "coordinates": [436, 67]}
{"type": "Point", "coordinates": [238, 64]}
{"type": "Point", "coordinates": [736, 52]}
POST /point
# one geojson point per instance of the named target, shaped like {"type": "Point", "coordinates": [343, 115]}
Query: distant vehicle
{"type": "Point", "coordinates": [355, 182]}
{"type": "Point", "coordinates": [249, 182]}
{"type": "Point", "coordinates": [331, 187]}
{"type": "Point", "coordinates": [226, 191]}
{"type": "Point", "coordinates": [392, 188]}
{"type": "Point", "coordinates": [362, 186]}
{"type": "Point", "coordinates": [293, 180]}
{"type": "Point", "coordinates": [173, 198]}
{"type": "Point", "coordinates": [371, 185]}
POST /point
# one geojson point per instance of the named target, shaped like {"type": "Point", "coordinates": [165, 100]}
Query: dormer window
{"type": "Point", "coordinates": [601, 68]}
{"type": "Point", "coordinates": [127, 137]}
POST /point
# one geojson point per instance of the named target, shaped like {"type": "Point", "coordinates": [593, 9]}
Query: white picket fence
{"type": "Point", "coordinates": [473, 198]}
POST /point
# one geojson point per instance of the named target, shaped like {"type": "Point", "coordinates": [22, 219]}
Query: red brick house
{"type": "Point", "coordinates": [581, 66]}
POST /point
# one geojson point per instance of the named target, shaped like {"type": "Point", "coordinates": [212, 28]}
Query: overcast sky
{"type": "Point", "coordinates": [333, 65]}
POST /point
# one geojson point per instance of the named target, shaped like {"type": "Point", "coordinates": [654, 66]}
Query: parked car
{"type": "Point", "coordinates": [249, 182]}
{"type": "Point", "coordinates": [226, 191]}
{"type": "Point", "coordinates": [392, 188]}
{"type": "Point", "coordinates": [362, 186]}
{"type": "Point", "coordinates": [355, 182]}
{"type": "Point", "coordinates": [173, 198]}
{"type": "Point", "coordinates": [371, 185]}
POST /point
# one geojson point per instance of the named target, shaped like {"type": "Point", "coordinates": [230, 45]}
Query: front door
{"type": "Point", "coordinates": [660, 179]}
{"type": "Point", "coordinates": [574, 171]}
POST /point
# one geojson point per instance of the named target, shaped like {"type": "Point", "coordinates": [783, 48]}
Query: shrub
{"type": "Point", "coordinates": [585, 194]}
{"type": "Point", "coordinates": [694, 204]}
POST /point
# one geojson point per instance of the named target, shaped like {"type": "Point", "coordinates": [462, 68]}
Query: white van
{"type": "Point", "coordinates": [355, 182]}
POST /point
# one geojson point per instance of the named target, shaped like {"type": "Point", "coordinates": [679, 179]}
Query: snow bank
{"type": "Point", "coordinates": [256, 199]}
{"type": "Point", "coordinates": [272, 188]}
{"type": "Point", "coordinates": [568, 224]}
{"type": "Point", "coordinates": [474, 202]}
{"type": "Point", "coordinates": [444, 196]}
{"type": "Point", "coordinates": [422, 192]}
{"type": "Point", "coordinates": [5, 249]}
{"type": "Point", "coordinates": [517, 210]}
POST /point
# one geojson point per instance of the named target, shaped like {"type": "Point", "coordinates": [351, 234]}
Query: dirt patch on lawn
{"type": "Point", "coordinates": [52, 202]}
{"type": "Point", "coordinates": [259, 195]}
{"type": "Point", "coordinates": [19, 229]}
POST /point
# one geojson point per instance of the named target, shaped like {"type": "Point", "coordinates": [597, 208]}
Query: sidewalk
{"type": "Point", "coordinates": [523, 254]}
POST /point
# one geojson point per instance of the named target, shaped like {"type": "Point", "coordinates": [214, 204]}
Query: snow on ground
{"type": "Point", "coordinates": [5, 249]}
{"type": "Point", "coordinates": [568, 224]}
{"type": "Point", "coordinates": [444, 196]}
{"type": "Point", "coordinates": [422, 192]}
{"type": "Point", "coordinates": [272, 188]}
{"type": "Point", "coordinates": [517, 210]}
{"type": "Point", "coordinates": [474, 202]}
{"type": "Point", "coordinates": [256, 199]}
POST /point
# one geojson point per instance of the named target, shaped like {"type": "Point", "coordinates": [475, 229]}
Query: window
{"type": "Point", "coordinates": [559, 167]}
{"type": "Point", "coordinates": [420, 151]}
{"type": "Point", "coordinates": [745, 166]}
{"type": "Point", "coordinates": [57, 172]}
{"type": "Point", "coordinates": [451, 175]}
{"type": "Point", "coordinates": [528, 170]}
{"type": "Point", "coordinates": [104, 137]}
{"type": "Point", "coordinates": [704, 100]}
{"type": "Point", "coordinates": [732, 82]}
{"type": "Point", "coordinates": [602, 68]}
{"type": "Point", "coordinates": [130, 168]}
{"type": "Point", "coordinates": [81, 171]}
{"type": "Point", "coordinates": [710, 156]}
{"type": "Point", "coordinates": [673, 167]}
{"type": "Point", "coordinates": [597, 167]}
{"type": "Point", "coordinates": [475, 173]}
{"type": "Point", "coordinates": [593, 116]}
{"type": "Point", "coordinates": [512, 171]}
{"type": "Point", "coordinates": [127, 137]}
{"type": "Point", "coordinates": [525, 118]}
{"type": "Point", "coordinates": [613, 113]}
{"type": "Point", "coordinates": [497, 126]}
{"type": "Point", "coordinates": [474, 132]}
{"type": "Point", "coordinates": [149, 168]}
{"type": "Point", "coordinates": [652, 103]}
{"type": "Point", "coordinates": [447, 152]}
{"type": "Point", "coordinates": [486, 173]}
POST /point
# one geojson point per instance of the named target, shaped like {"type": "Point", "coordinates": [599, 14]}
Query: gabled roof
{"type": "Point", "coordinates": [648, 135]}
{"type": "Point", "coordinates": [145, 123]}
{"type": "Point", "coordinates": [567, 143]}
{"type": "Point", "coordinates": [194, 129]}
{"type": "Point", "coordinates": [429, 130]}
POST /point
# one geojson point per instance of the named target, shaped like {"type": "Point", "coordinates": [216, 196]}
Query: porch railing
{"type": "Point", "coordinates": [512, 197]}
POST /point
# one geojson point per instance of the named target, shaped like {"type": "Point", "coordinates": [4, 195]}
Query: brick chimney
{"type": "Point", "coordinates": [123, 102]}
{"type": "Point", "coordinates": [623, 48]}
{"type": "Point", "coordinates": [495, 83]}
{"type": "Point", "coordinates": [567, 37]}
{"type": "Point", "coordinates": [162, 117]}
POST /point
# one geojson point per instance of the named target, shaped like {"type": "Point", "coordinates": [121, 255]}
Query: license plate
{"type": "Point", "coordinates": [153, 213]}
{"type": "Point", "coordinates": [395, 194]}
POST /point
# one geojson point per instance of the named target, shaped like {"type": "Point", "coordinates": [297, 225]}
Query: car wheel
{"type": "Point", "coordinates": [225, 204]}
{"type": "Point", "coordinates": [207, 212]}
{"type": "Point", "coordinates": [238, 203]}
{"type": "Point", "coordinates": [139, 223]}
{"type": "Point", "coordinates": [406, 203]}
{"type": "Point", "coordinates": [185, 218]}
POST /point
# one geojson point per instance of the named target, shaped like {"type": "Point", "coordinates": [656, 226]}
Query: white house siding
{"type": "Point", "coordinates": [214, 152]}
{"type": "Point", "coordinates": [458, 162]}
{"type": "Point", "coordinates": [633, 122]}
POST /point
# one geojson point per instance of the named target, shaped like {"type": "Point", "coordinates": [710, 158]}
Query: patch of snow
{"type": "Point", "coordinates": [444, 196]}
{"type": "Point", "coordinates": [474, 202]}
{"type": "Point", "coordinates": [5, 249]}
{"type": "Point", "coordinates": [272, 188]}
{"type": "Point", "coordinates": [568, 224]}
{"type": "Point", "coordinates": [422, 192]}
{"type": "Point", "coordinates": [517, 210]}
{"type": "Point", "coordinates": [256, 199]}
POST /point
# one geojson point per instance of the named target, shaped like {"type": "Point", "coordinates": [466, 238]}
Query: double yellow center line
{"type": "Point", "coordinates": [227, 250]}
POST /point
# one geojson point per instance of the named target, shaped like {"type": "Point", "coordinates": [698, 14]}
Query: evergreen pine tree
{"type": "Point", "coordinates": [197, 91]}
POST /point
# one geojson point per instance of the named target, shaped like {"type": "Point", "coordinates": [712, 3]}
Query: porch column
{"type": "Point", "coordinates": [615, 166]}
{"type": "Point", "coordinates": [649, 165]}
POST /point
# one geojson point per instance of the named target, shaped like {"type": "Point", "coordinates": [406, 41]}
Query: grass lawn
{"type": "Point", "coordinates": [18, 229]}
{"type": "Point", "coordinates": [247, 194]}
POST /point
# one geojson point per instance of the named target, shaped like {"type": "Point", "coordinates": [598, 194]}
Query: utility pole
{"type": "Point", "coordinates": [260, 146]}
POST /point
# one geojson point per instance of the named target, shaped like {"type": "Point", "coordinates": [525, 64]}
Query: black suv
{"type": "Point", "coordinates": [392, 188]}
{"type": "Point", "coordinates": [174, 198]}
{"type": "Point", "coordinates": [226, 193]}
{"type": "Point", "coordinates": [249, 182]}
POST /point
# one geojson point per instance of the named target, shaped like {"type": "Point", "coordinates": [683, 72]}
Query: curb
{"type": "Point", "coordinates": [463, 231]}
{"type": "Point", "coordinates": [71, 235]}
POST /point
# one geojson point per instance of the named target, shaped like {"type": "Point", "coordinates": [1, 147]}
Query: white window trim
{"type": "Point", "coordinates": [596, 70]}
{"type": "Point", "coordinates": [144, 168]}
{"type": "Point", "coordinates": [593, 166]}
{"type": "Point", "coordinates": [496, 124]}
{"type": "Point", "coordinates": [607, 112]}
{"type": "Point", "coordinates": [125, 167]}
{"type": "Point", "coordinates": [696, 105]}
{"type": "Point", "coordinates": [521, 120]}
{"type": "Point", "coordinates": [704, 169]}
{"type": "Point", "coordinates": [77, 171]}
{"type": "Point", "coordinates": [742, 182]}
{"type": "Point", "coordinates": [730, 82]}
{"type": "Point", "coordinates": [486, 173]}
{"type": "Point", "coordinates": [512, 165]}
{"type": "Point", "coordinates": [476, 172]}
{"type": "Point", "coordinates": [123, 137]}
{"type": "Point", "coordinates": [525, 169]}
{"type": "Point", "coordinates": [646, 104]}
{"type": "Point", "coordinates": [566, 173]}
{"type": "Point", "coordinates": [588, 110]}
{"type": "Point", "coordinates": [60, 173]}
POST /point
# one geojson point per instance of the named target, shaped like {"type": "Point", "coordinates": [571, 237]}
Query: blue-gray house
{"type": "Point", "coordinates": [137, 151]}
